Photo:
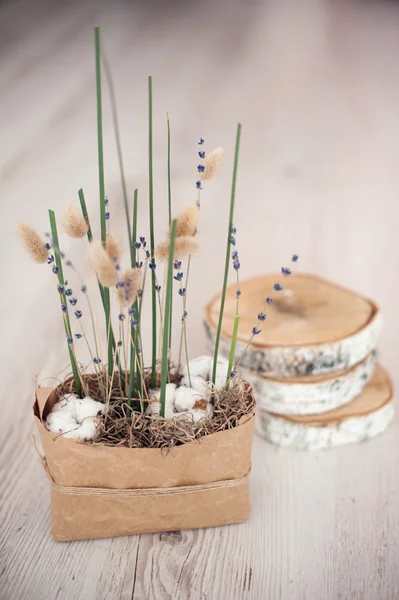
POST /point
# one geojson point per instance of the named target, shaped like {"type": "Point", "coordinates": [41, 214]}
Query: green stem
{"type": "Point", "coordinates": [152, 236]}
{"type": "Point", "coordinates": [232, 349]}
{"type": "Point", "coordinates": [169, 179]}
{"type": "Point", "coordinates": [170, 222]}
{"type": "Point", "coordinates": [106, 296]}
{"type": "Point", "coordinates": [114, 112]}
{"type": "Point", "coordinates": [166, 331]}
{"type": "Point", "coordinates": [227, 261]}
{"type": "Point", "coordinates": [63, 300]}
{"type": "Point", "coordinates": [90, 238]}
{"type": "Point", "coordinates": [133, 329]}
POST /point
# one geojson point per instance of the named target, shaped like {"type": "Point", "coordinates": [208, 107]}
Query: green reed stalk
{"type": "Point", "coordinates": [228, 248]}
{"type": "Point", "coordinates": [166, 330]}
{"type": "Point", "coordinates": [63, 300]}
{"type": "Point", "coordinates": [152, 236]}
{"type": "Point", "coordinates": [134, 331]}
{"type": "Point", "coordinates": [169, 180]}
{"type": "Point", "coordinates": [114, 112]}
{"type": "Point", "coordinates": [106, 297]}
{"type": "Point", "coordinates": [232, 349]}
{"type": "Point", "coordinates": [170, 223]}
{"type": "Point", "coordinates": [100, 287]}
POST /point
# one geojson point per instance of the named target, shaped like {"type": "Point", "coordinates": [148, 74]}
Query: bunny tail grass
{"type": "Point", "coordinates": [33, 243]}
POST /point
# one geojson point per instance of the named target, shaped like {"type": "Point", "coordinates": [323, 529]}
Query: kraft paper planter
{"type": "Point", "coordinates": [100, 491]}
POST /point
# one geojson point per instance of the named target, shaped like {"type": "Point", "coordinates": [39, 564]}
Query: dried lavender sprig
{"type": "Point", "coordinates": [262, 315]}
{"type": "Point", "coordinates": [236, 266]}
{"type": "Point", "coordinates": [183, 335]}
{"type": "Point", "coordinates": [226, 269]}
{"type": "Point", "coordinates": [75, 369]}
{"type": "Point", "coordinates": [100, 287]}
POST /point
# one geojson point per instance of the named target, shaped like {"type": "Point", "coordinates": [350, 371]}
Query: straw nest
{"type": "Point", "coordinates": [121, 426]}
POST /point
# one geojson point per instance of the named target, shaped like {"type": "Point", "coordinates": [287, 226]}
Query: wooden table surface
{"type": "Point", "coordinates": [316, 85]}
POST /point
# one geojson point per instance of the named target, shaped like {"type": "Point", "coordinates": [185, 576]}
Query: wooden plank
{"type": "Point", "coordinates": [316, 87]}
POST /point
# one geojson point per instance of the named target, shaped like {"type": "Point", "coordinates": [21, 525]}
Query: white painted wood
{"type": "Point", "coordinates": [316, 87]}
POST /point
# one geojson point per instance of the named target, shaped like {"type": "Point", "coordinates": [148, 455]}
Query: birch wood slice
{"type": "Point", "coordinates": [314, 394]}
{"type": "Point", "coordinates": [365, 417]}
{"type": "Point", "coordinates": [316, 327]}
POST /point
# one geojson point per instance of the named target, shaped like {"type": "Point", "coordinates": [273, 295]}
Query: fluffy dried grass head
{"type": "Point", "coordinates": [74, 223]}
{"type": "Point", "coordinates": [127, 292]}
{"type": "Point", "coordinates": [212, 164]}
{"type": "Point", "coordinates": [113, 249]}
{"type": "Point", "coordinates": [187, 221]}
{"type": "Point", "coordinates": [104, 267]}
{"type": "Point", "coordinates": [33, 243]}
{"type": "Point", "coordinates": [184, 246]}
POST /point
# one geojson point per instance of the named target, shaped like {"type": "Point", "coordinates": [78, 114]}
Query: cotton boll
{"type": "Point", "coordinates": [199, 384]}
{"type": "Point", "coordinates": [154, 394]}
{"type": "Point", "coordinates": [67, 403]}
{"type": "Point", "coordinates": [170, 394]}
{"type": "Point", "coordinates": [222, 367]}
{"type": "Point", "coordinates": [86, 431]}
{"type": "Point", "coordinates": [185, 398]}
{"type": "Point", "coordinates": [220, 382]}
{"type": "Point", "coordinates": [88, 408]}
{"type": "Point", "coordinates": [153, 408]}
{"type": "Point", "coordinates": [199, 367]}
{"type": "Point", "coordinates": [60, 422]}
{"type": "Point", "coordinates": [194, 414]}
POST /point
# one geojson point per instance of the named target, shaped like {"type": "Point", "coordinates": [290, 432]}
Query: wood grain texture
{"type": "Point", "coordinates": [315, 84]}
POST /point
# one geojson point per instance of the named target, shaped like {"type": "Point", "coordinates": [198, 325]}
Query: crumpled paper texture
{"type": "Point", "coordinates": [86, 514]}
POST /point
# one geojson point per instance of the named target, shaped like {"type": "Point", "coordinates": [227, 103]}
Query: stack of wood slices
{"type": "Point", "coordinates": [314, 364]}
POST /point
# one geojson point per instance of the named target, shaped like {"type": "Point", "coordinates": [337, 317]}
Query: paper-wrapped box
{"type": "Point", "coordinates": [101, 491]}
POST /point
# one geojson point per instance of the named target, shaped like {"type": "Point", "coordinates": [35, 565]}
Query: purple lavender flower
{"type": "Point", "coordinates": [278, 287]}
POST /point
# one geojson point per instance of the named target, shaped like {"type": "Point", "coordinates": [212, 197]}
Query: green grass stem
{"type": "Point", "coordinates": [166, 331]}
{"type": "Point", "coordinates": [228, 248]}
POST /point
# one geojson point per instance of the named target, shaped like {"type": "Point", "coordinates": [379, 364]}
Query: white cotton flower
{"type": "Point", "coordinates": [86, 431]}
{"type": "Point", "coordinates": [197, 414]}
{"type": "Point", "coordinates": [154, 407]}
{"type": "Point", "coordinates": [185, 398]}
{"type": "Point", "coordinates": [199, 367]}
{"type": "Point", "coordinates": [87, 407]}
{"type": "Point", "coordinates": [60, 422]}
{"type": "Point", "coordinates": [66, 404]}
{"type": "Point", "coordinates": [199, 384]}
